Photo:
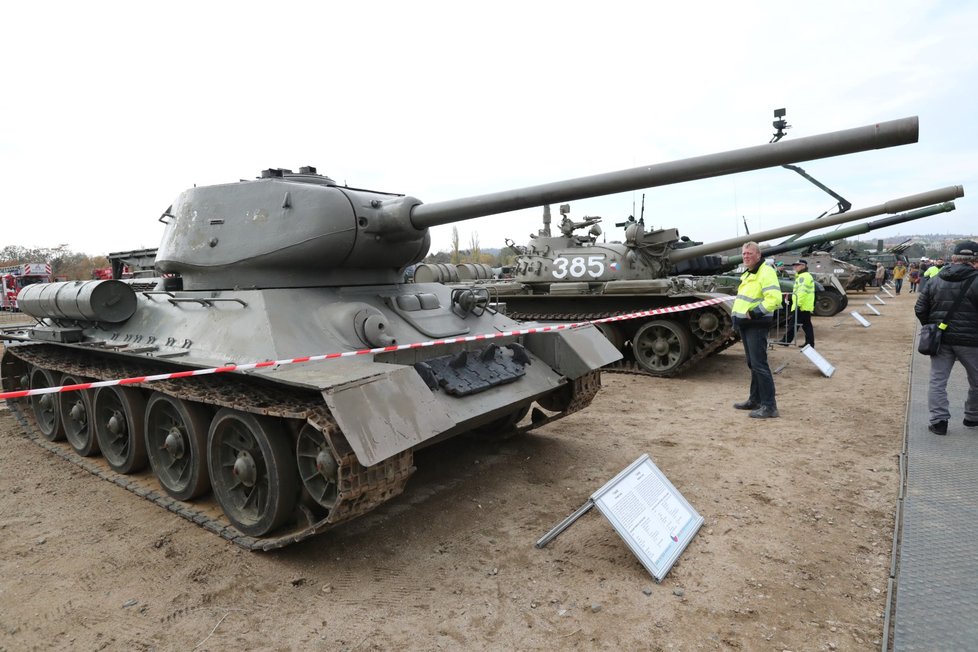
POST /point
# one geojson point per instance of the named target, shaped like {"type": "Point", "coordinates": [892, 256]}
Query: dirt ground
{"type": "Point", "coordinates": [794, 553]}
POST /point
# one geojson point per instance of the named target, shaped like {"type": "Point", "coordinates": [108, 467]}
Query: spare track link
{"type": "Point", "coordinates": [360, 489]}
{"type": "Point", "coordinates": [727, 337]}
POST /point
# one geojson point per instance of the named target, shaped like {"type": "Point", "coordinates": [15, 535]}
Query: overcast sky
{"type": "Point", "coordinates": [110, 109]}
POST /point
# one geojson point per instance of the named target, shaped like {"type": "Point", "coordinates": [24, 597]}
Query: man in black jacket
{"type": "Point", "coordinates": [960, 339]}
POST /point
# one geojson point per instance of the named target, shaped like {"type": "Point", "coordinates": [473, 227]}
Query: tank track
{"type": "Point", "coordinates": [360, 489]}
{"type": "Point", "coordinates": [726, 339]}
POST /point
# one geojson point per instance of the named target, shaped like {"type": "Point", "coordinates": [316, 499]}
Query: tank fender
{"type": "Point", "coordinates": [574, 352]}
{"type": "Point", "coordinates": [388, 413]}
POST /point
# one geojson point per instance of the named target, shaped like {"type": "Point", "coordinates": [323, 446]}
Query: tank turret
{"type": "Point", "coordinates": [268, 272]}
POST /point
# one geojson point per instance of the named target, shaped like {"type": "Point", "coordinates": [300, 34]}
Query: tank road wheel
{"type": "Point", "coordinates": [176, 444]}
{"type": "Point", "coordinates": [46, 405]}
{"type": "Point", "coordinates": [706, 325]}
{"type": "Point", "coordinates": [76, 415]}
{"type": "Point", "coordinates": [661, 345]}
{"type": "Point", "coordinates": [253, 472]}
{"type": "Point", "coordinates": [317, 466]}
{"type": "Point", "coordinates": [827, 303]}
{"type": "Point", "coordinates": [612, 333]}
{"type": "Point", "coordinates": [119, 414]}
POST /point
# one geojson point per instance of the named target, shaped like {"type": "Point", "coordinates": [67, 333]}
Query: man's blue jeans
{"type": "Point", "coordinates": [754, 338]}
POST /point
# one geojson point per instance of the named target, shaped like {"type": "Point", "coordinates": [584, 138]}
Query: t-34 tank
{"type": "Point", "coordinates": [293, 265]}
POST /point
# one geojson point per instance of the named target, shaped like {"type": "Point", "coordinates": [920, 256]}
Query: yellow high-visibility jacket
{"type": "Point", "coordinates": [803, 293]}
{"type": "Point", "coordinates": [759, 289]}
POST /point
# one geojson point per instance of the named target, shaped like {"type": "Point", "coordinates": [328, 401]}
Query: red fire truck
{"type": "Point", "coordinates": [14, 278]}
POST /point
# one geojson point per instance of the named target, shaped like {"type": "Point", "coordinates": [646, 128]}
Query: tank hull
{"type": "Point", "coordinates": [664, 345]}
{"type": "Point", "coordinates": [367, 413]}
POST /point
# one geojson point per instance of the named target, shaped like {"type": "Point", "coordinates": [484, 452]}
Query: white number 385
{"type": "Point", "coordinates": [578, 266]}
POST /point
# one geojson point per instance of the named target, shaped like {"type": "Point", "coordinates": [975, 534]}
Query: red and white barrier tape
{"type": "Point", "coordinates": [348, 354]}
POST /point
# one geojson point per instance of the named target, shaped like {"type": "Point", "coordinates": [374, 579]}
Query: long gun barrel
{"type": "Point", "coordinates": [891, 207]}
{"type": "Point", "coordinates": [847, 232]}
{"type": "Point", "coordinates": [837, 143]}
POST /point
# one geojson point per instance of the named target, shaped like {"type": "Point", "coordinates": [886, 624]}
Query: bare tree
{"type": "Point", "coordinates": [456, 258]}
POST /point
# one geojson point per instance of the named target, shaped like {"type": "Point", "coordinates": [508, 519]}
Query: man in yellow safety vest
{"type": "Point", "coordinates": [931, 272]}
{"type": "Point", "coordinates": [802, 305]}
{"type": "Point", "coordinates": [758, 296]}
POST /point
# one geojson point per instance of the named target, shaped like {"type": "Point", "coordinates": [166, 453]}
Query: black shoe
{"type": "Point", "coordinates": [939, 428]}
{"type": "Point", "coordinates": [968, 423]}
{"type": "Point", "coordinates": [747, 405]}
{"type": "Point", "coordinates": [765, 412]}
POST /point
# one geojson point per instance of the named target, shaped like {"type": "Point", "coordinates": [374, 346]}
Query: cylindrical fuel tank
{"type": "Point", "coordinates": [436, 273]}
{"type": "Point", "coordinates": [104, 301]}
{"type": "Point", "coordinates": [474, 271]}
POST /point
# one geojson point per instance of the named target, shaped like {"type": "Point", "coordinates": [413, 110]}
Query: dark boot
{"type": "Point", "coordinates": [747, 405]}
{"type": "Point", "coordinates": [765, 412]}
{"type": "Point", "coordinates": [939, 428]}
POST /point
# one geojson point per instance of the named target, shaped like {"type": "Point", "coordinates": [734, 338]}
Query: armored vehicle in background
{"type": "Point", "coordinates": [837, 277]}
{"type": "Point", "coordinates": [267, 272]}
{"type": "Point", "coordinates": [573, 277]}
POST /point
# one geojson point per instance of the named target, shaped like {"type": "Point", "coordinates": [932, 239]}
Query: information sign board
{"type": "Point", "coordinates": [649, 514]}
{"type": "Point", "coordinates": [823, 365]}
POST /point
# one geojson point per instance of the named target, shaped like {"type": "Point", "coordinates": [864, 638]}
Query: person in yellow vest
{"type": "Point", "coordinates": [758, 296]}
{"type": "Point", "coordinates": [802, 305]}
{"type": "Point", "coordinates": [931, 272]}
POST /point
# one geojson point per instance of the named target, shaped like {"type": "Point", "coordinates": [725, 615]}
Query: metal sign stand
{"type": "Point", "coordinates": [566, 523]}
{"type": "Point", "coordinates": [873, 308]}
{"type": "Point", "coordinates": [877, 297]}
{"type": "Point", "coordinates": [647, 512]}
{"type": "Point", "coordinates": [889, 294]}
{"type": "Point", "coordinates": [859, 318]}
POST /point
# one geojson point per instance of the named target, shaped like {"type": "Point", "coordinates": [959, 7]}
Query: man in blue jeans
{"type": "Point", "coordinates": [758, 297]}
